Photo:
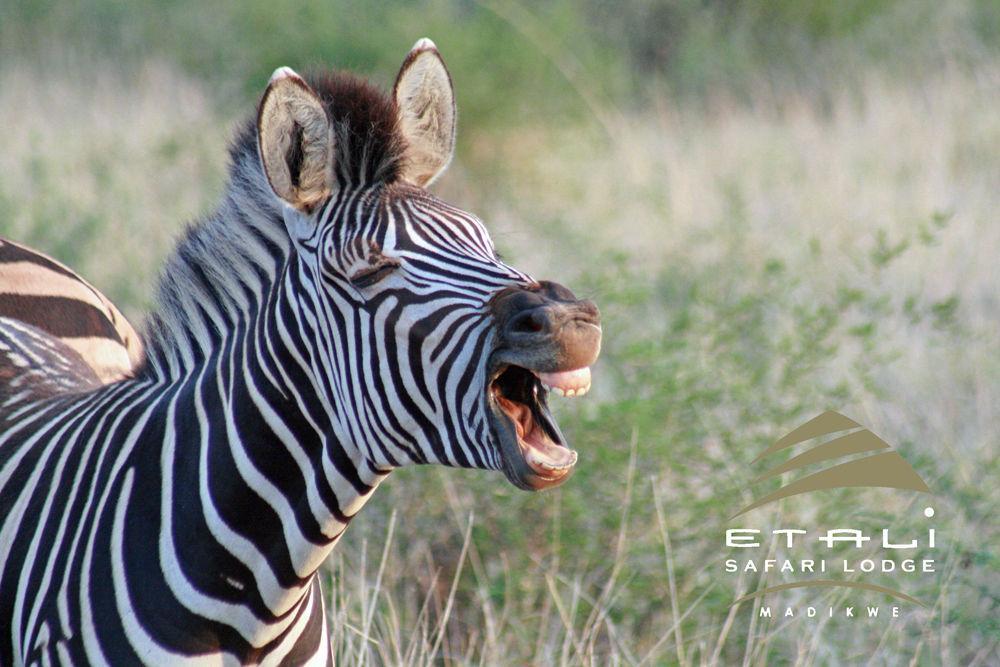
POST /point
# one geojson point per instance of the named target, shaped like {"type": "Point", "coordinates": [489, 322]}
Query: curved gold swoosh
{"type": "Point", "coordinates": [888, 470]}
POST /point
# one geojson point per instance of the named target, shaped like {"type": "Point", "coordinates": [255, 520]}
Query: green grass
{"type": "Point", "coordinates": [781, 211]}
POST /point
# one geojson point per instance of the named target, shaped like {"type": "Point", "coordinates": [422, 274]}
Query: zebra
{"type": "Point", "coordinates": [43, 293]}
{"type": "Point", "coordinates": [330, 321]}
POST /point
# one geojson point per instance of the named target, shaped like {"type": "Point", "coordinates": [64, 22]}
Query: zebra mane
{"type": "Point", "coordinates": [225, 263]}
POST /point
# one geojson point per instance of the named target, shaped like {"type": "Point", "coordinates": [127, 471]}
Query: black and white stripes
{"type": "Point", "coordinates": [329, 322]}
{"type": "Point", "coordinates": [38, 291]}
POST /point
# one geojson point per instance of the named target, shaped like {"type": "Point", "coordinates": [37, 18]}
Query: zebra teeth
{"type": "Point", "coordinates": [567, 383]}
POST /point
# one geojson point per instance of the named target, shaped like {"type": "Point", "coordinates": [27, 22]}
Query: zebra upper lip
{"type": "Point", "coordinates": [533, 449]}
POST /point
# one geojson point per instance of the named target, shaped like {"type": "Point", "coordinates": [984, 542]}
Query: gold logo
{"type": "Point", "coordinates": [886, 469]}
{"type": "Point", "coordinates": [879, 467]}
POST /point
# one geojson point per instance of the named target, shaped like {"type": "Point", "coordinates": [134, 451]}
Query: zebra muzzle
{"type": "Point", "coordinates": [546, 342]}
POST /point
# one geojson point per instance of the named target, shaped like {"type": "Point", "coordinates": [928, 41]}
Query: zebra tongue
{"type": "Point", "coordinates": [541, 452]}
{"type": "Point", "coordinates": [567, 383]}
{"type": "Point", "coordinates": [546, 456]}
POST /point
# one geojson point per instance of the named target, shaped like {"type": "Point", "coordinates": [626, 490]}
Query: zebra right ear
{"type": "Point", "coordinates": [295, 141]}
{"type": "Point", "coordinates": [425, 101]}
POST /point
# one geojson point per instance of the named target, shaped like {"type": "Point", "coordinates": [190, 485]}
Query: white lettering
{"type": "Point", "coordinates": [845, 535]}
{"type": "Point", "coordinates": [738, 538]}
{"type": "Point", "coordinates": [886, 544]}
{"type": "Point", "coordinates": [788, 532]}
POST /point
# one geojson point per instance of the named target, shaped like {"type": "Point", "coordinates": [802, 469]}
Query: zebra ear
{"type": "Point", "coordinates": [295, 141]}
{"type": "Point", "coordinates": [425, 103]}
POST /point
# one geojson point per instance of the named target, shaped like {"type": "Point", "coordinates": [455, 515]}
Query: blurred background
{"type": "Point", "coordinates": [781, 207]}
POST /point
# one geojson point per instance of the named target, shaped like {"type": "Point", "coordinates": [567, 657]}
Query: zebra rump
{"type": "Point", "coordinates": [39, 291]}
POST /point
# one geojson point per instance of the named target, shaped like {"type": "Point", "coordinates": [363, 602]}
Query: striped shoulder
{"type": "Point", "coordinates": [46, 295]}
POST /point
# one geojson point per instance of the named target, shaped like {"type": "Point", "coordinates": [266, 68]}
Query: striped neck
{"type": "Point", "coordinates": [260, 467]}
{"type": "Point", "coordinates": [257, 487]}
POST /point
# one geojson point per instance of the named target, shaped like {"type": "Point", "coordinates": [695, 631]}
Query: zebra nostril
{"type": "Point", "coordinates": [530, 322]}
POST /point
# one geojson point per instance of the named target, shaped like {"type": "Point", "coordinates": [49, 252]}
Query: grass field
{"type": "Point", "coordinates": [761, 252]}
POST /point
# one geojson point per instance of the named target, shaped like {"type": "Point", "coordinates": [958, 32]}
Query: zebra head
{"type": "Point", "coordinates": [431, 349]}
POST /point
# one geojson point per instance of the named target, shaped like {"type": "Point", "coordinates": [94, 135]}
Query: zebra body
{"type": "Point", "coordinates": [41, 292]}
{"type": "Point", "coordinates": [330, 322]}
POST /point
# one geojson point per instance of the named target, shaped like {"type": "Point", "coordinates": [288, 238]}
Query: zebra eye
{"type": "Point", "coordinates": [373, 274]}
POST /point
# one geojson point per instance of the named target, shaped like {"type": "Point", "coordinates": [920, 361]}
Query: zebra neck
{"type": "Point", "coordinates": [277, 477]}
{"type": "Point", "coordinates": [282, 486]}
{"type": "Point", "coordinates": [275, 484]}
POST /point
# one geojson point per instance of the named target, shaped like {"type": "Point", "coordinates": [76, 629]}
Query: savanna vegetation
{"type": "Point", "coordinates": [781, 207]}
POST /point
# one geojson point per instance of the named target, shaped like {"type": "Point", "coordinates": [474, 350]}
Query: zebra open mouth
{"type": "Point", "coordinates": [534, 451]}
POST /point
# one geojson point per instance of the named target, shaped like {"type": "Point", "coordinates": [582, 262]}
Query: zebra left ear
{"type": "Point", "coordinates": [425, 102]}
